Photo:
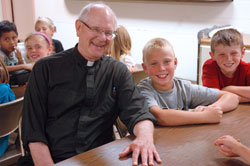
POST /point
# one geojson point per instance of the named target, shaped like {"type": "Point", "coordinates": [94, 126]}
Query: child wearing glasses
{"type": "Point", "coordinates": [226, 70]}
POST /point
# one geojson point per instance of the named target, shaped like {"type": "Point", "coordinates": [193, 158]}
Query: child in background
{"type": "Point", "coordinates": [38, 45]}
{"type": "Point", "coordinates": [6, 95]}
{"type": "Point", "coordinates": [169, 98]}
{"type": "Point", "coordinates": [230, 147]}
{"type": "Point", "coordinates": [120, 48]}
{"type": "Point", "coordinates": [226, 70]}
{"type": "Point", "coordinates": [9, 53]}
{"type": "Point", "coordinates": [46, 26]}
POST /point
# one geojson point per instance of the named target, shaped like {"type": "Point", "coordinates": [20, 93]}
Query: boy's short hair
{"type": "Point", "coordinates": [153, 44]}
{"type": "Point", "coordinates": [6, 26]}
{"type": "Point", "coordinates": [227, 37]}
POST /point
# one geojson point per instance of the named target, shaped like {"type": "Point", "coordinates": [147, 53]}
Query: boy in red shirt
{"type": "Point", "coordinates": [226, 70]}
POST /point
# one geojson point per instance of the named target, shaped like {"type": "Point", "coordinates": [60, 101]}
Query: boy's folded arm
{"type": "Point", "coordinates": [172, 117]}
{"type": "Point", "coordinates": [226, 101]}
{"type": "Point", "coordinates": [19, 67]}
{"type": "Point", "coordinates": [242, 91]}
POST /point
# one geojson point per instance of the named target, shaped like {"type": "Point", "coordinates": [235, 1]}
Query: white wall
{"type": "Point", "coordinates": [179, 22]}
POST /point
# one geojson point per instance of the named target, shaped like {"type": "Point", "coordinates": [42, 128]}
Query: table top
{"type": "Point", "coordinates": [246, 40]}
{"type": "Point", "coordinates": [178, 146]}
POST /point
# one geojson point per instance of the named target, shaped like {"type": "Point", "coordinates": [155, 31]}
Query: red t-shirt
{"type": "Point", "coordinates": [212, 76]}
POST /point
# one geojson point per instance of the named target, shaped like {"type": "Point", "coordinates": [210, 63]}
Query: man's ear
{"type": "Point", "coordinates": [144, 68]}
{"type": "Point", "coordinates": [211, 55]}
{"type": "Point", "coordinates": [78, 26]}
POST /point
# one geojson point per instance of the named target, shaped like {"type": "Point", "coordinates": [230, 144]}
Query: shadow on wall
{"type": "Point", "coordinates": [191, 12]}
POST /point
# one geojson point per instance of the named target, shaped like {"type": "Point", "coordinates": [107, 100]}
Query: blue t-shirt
{"type": "Point", "coordinates": [6, 95]}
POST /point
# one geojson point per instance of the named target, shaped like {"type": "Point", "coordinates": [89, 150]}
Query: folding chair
{"type": "Point", "coordinates": [18, 90]}
{"type": "Point", "coordinates": [139, 75]}
{"type": "Point", "coordinates": [10, 114]}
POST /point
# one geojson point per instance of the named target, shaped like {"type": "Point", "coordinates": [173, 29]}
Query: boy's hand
{"type": "Point", "coordinates": [212, 114]}
{"type": "Point", "coordinates": [228, 145]}
{"type": "Point", "coordinates": [19, 56]}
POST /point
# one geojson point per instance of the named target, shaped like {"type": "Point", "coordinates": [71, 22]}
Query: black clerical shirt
{"type": "Point", "coordinates": [72, 112]}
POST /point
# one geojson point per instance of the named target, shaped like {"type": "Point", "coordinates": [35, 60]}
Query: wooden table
{"type": "Point", "coordinates": [178, 146]}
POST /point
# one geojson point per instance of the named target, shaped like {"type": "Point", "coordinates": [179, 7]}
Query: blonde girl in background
{"type": "Point", "coordinates": [120, 48]}
{"type": "Point", "coordinates": [38, 45]}
{"type": "Point", "coordinates": [45, 25]}
{"type": "Point", "coordinates": [6, 95]}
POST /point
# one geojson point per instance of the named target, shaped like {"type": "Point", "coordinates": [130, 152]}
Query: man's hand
{"type": "Point", "coordinates": [143, 145]}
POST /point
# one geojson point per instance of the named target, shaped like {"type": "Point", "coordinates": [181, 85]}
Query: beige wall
{"type": "Point", "coordinates": [24, 17]}
{"type": "Point", "coordinates": [179, 22]}
{"type": "Point", "coordinates": [6, 12]}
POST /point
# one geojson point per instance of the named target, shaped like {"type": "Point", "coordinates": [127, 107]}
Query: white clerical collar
{"type": "Point", "coordinates": [90, 63]}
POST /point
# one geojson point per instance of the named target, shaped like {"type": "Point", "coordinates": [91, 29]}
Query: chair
{"type": "Point", "coordinates": [18, 90]}
{"type": "Point", "coordinates": [10, 114]}
{"type": "Point", "coordinates": [120, 128]}
{"type": "Point", "coordinates": [139, 75]}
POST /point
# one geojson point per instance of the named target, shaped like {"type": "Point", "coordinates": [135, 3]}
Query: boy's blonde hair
{"type": "Point", "coordinates": [4, 74]}
{"type": "Point", "coordinates": [227, 37]}
{"type": "Point", "coordinates": [48, 21]}
{"type": "Point", "coordinates": [153, 44]}
{"type": "Point", "coordinates": [121, 44]}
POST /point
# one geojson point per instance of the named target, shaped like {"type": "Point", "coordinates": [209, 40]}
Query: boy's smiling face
{"type": "Point", "coordinates": [160, 65]}
{"type": "Point", "coordinates": [228, 58]}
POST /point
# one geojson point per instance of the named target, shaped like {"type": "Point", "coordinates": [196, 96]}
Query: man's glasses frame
{"type": "Point", "coordinates": [108, 33]}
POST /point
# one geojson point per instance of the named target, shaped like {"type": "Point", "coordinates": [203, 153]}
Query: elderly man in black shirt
{"type": "Point", "coordinates": [74, 97]}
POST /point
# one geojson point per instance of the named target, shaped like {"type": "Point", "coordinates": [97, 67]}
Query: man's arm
{"type": "Point", "coordinates": [226, 101]}
{"type": "Point", "coordinates": [143, 144]}
{"type": "Point", "coordinates": [40, 154]}
{"type": "Point", "coordinates": [242, 91]}
{"type": "Point", "coordinates": [172, 117]}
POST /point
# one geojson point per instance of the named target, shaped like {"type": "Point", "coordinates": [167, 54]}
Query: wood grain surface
{"type": "Point", "coordinates": [190, 145]}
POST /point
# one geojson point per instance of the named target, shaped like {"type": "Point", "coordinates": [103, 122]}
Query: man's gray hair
{"type": "Point", "coordinates": [85, 11]}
